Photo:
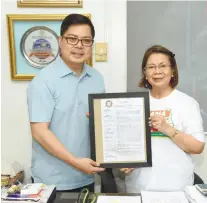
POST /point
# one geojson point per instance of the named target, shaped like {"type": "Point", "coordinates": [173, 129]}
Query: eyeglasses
{"type": "Point", "coordinates": [75, 40]}
{"type": "Point", "coordinates": [152, 67]}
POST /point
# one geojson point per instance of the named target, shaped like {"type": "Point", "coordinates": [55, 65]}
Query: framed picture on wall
{"type": "Point", "coordinates": [50, 3]}
{"type": "Point", "coordinates": [33, 43]}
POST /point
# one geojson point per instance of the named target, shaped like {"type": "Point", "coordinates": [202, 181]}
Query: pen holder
{"type": "Point", "coordinates": [7, 180]}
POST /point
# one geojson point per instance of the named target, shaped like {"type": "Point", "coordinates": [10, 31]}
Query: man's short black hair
{"type": "Point", "coordinates": [75, 19]}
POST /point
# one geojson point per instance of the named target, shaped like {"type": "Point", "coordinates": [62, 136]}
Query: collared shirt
{"type": "Point", "coordinates": [58, 96]}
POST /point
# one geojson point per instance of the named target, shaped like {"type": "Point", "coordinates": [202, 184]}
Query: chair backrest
{"type": "Point", "coordinates": [108, 183]}
{"type": "Point", "coordinates": [197, 179]}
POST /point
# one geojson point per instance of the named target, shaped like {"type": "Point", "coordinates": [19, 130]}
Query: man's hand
{"type": "Point", "coordinates": [87, 114]}
{"type": "Point", "coordinates": [87, 166]}
{"type": "Point", "coordinates": [126, 170]}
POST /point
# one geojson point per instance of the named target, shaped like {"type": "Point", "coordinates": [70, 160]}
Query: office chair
{"type": "Point", "coordinates": [197, 179]}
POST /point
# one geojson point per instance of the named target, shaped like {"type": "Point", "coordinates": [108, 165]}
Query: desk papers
{"type": "Point", "coordinates": [119, 199]}
{"type": "Point", "coordinates": [194, 196]}
{"type": "Point", "coordinates": [163, 197]}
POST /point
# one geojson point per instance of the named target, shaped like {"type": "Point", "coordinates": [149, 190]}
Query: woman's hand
{"type": "Point", "coordinates": [158, 122]}
{"type": "Point", "coordinates": [126, 170]}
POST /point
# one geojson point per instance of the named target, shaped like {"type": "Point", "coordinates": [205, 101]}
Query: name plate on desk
{"type": "Point", "coordinates": [119, 130]}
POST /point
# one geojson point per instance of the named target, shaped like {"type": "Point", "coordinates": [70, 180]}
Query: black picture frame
{"type": "Point", "coordinates": [93, 99]}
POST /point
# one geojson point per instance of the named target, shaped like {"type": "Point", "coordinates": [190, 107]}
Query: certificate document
{"type": "Point", "coordinates": [122, 119]}
{"type": "Point", "coordinates": [120, 135]}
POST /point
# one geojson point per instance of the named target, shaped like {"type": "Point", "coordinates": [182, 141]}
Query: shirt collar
{"type": "Point", "coordinates": [64, 70]}
{"type": "Point", "coordinates": [87, 70]}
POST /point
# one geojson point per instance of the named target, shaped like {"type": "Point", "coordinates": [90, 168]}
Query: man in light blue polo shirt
{"type": "Point", "coordinates": [58, 103]}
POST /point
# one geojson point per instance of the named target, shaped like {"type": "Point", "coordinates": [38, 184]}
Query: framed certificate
{"type": "Point", "coordinates": [119, 130]}
{"type": "Point", "coordinates": [50, 3]}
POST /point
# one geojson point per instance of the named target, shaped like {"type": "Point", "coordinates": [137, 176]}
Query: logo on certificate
{"type": "Point", "coordinates": [39, 46]}
{"type": "Point", "coordinates": [109, 103]}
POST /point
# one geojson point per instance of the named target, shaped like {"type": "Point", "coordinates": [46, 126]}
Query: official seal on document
{"type": "Point", "coordinates": [39, 46]}
{"type": "Point", "coordinates": [109, 103]}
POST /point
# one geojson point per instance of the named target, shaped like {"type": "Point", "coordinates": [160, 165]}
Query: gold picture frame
{"type": "Point", "coordinates": [51, 3]}
{"type": "Point", "coordinates": [17, 25]}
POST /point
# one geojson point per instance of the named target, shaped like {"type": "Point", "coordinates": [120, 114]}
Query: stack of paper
{"type": "Point", "coordinates": [46, 195]}
{"type": "Point", "coordinates": [33, 188]}
{"type": "Point", "coordinates": [163, 197]}
{"type": "Point", "coordinates": [118, 199]}
{"type": "Point", "coordinates": [194, 196]}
